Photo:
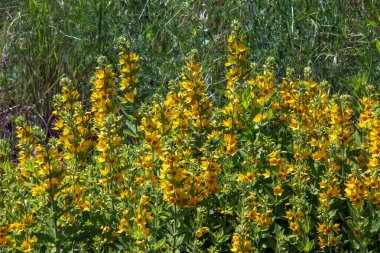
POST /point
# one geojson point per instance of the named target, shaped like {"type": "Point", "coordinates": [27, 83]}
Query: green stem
{"type": "Point", "coordinates": [51, 199]}
{"type": "Point", "coordinates": [100, 26]}
{"type": "Point", "coordinates": [110, 187]}
{"type": "Point", "coordinates": [175, 229]}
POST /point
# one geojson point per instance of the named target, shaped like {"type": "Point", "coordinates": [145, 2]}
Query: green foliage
{"type": "Point", "coordinates": [43, 39]}
{"type": "Point", "coordinates": [235, 156]}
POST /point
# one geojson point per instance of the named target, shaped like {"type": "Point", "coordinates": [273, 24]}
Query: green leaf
{"type": "Point", "coordinates": [129, 133]}
{"type": "Point", "coordinates": [158, 245]}
{"type": "Point", "coordinates": [180, 239]}
{"type": "Point", "coordinates": [332, 213]}
{"type": "Point", "coordinates": [375, 226]}
{"type": "Point", "coordinates": [122, 100]}
{"type": "Point", "coordinates": [378, 45]}
{"type": "Point", "coordinates": [43, 237]}
{"type": "Point", "coordinates": [131, 126]}
{"type": "Point", "coordinates": [372, 23]}
{"type": "Point", "coordinates": [270, 114]}
{"type": "Point", "coordinates": [246, 98]}
{"type": "Point", "coordinates": [88, 223]}
{"type": "Point", "coordinates": [243, 153]}
{"type": "Point", "coordinates": [254, 111]}
{"type": "Point", "coordinates": [309, 245]}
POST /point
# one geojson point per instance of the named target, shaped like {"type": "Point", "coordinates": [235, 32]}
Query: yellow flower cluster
{"type": "Point", "coordinates": [237, 61]}
{"type": "Point", "coordinates": [102, 97]}
{"type": "Point", "coordinates": [49, 174]}
{"type": "Point", "coordinates": [106, 126]}
{"type": "Point", "coordinates": [74, 123]}
{"type": "Point", "coordinates": [280, 165]}
{"type": "Point", "coordinates": [26, 142]}
{"type": "Point", "coordinates": [241, 245]}
{"type": "Point", "coordinates": [5, 238]}
{"type": "Point", "coordinates": [184, 120]}
{"type": "Point", "coordinates": [129, 80]}
{"type": "Point", "coordinates": [236, 74]}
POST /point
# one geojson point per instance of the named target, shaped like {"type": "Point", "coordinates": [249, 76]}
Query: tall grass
{"type": "Point", "coordinates": [42, 40]}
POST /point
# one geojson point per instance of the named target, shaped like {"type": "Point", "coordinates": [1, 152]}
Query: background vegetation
{"type": "Point", "coordinates": [42, 40]}
{"type": "Point", "coordinates": [236, 146]}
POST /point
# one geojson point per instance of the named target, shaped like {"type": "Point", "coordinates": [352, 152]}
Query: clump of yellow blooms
{"type": "Point", "coordinates": [129, 68]}
{"type": "Point", "coordinates": [76, 141]}
{"type": "Point", "coordinates": [241, 245]}
{"type": "Point", "coordinates": [280, 165]}
{"type": "Point", "coordinates": [237, 62]}
{"type": "Point", "coordinates": [74, 123]}
{"type": "Point", "coordinates": [103, 92]}
{"type": "Point", "coordinates": [183, 120]}
{"type": "Point", "coordinates": [5, 238]}
{"type": "Point", "coordinates": [369, 123]}
{"type": "Point", "coordinates": [27, 245]}
{"type": "Point", "coordinates": [26, 144]}
{"type": "Point", "coordinates": [236, 73]}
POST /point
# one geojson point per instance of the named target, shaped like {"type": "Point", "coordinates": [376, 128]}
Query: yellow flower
{"type": "Point", "coordinates": [295, 228]}
{"type": "Point", "coordinates": [323, 228]}
{"type": "Point", "coordinates": [264, 220]}
{"type": "Point", "coordinates": [266, 174]}
{"type": "Point", "coordinates": [99, 74]}
{"type": "Point", "coordinates": [277, 190]}
{"type": "Point", "coordinates": [124, 227]}
{"type": "Point", "coordinates": [333, 241]}
{"type": "Point", "coordinates": [289, 214]}
{"type": "Point", "coordinates": [27, 245]}
{"type": "Point", "coordinates": [294, 124]}
{"type": "Point", "coordinates": [16, 227]}
{"type": "Point", "coordinates": [336, 227]}
{"type": "Point", "coordinates": [228, 123]}
{"type": "Point", "coordinates": [298, 215]}
{"type": "Point", "coordinates": [259, 117]}
{"type": "Point", "coordinates": [205, 230]}
{"type": "Point", "coordinates": [28, 220]}
{"type": "Point", "coordinates": [321, 242]}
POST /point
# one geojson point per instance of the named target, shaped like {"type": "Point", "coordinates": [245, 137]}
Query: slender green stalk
{"type": "Point", "coordinates": [175, 229]}
{"type": "Point", "coordinates": [54, 207]}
